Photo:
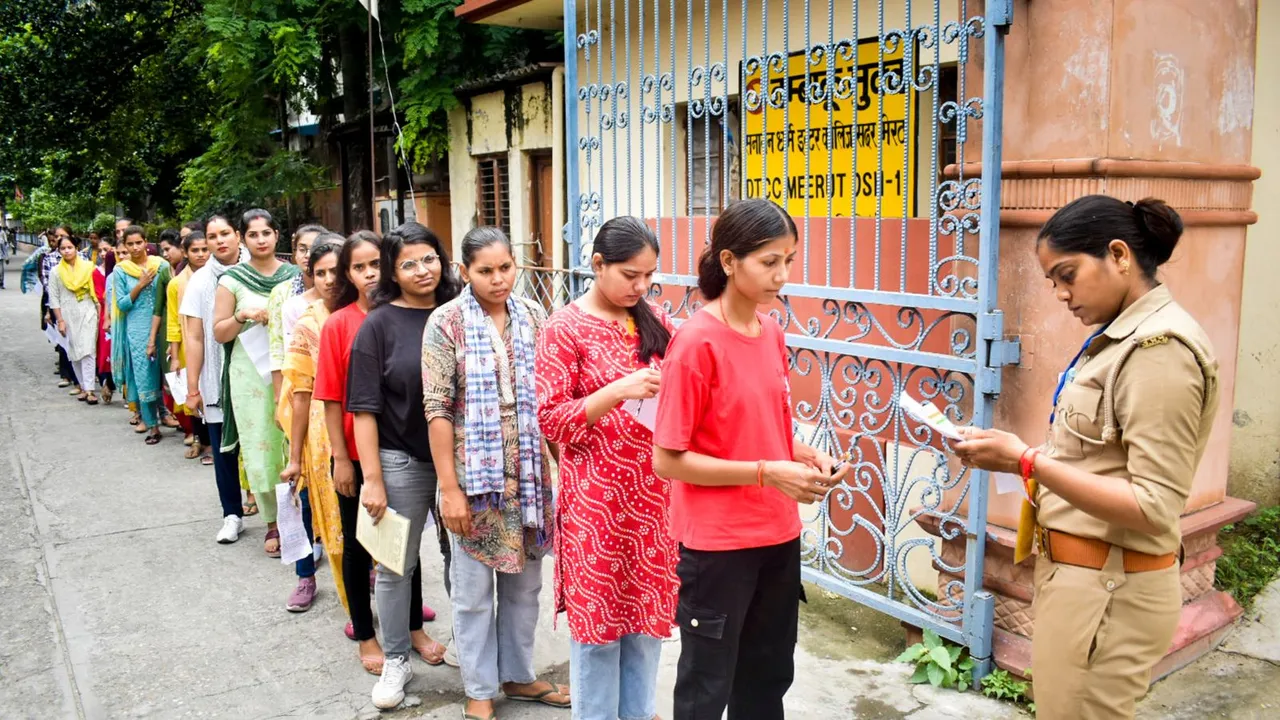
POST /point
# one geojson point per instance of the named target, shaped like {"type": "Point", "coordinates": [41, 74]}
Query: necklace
{"type": "Point", "coordinates": [752, 330]}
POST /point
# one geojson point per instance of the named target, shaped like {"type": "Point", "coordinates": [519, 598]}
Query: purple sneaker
{"type": "Point", "coordinates": [303, 595]}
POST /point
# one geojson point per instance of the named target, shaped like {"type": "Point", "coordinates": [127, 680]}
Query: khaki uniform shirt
{"type": "Point", "coordinates": [1146, 421]}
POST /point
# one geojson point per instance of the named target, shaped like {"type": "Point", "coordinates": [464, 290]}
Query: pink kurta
{"type": "Point", "coordinates": [615, 559]}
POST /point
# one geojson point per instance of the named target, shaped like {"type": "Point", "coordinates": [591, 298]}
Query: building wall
{"type": "Point", "coordinates": [482, 127]}
{"type": "Point", "coordinates": [1255, 450]}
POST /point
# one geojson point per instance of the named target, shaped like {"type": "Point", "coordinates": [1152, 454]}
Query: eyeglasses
{"type": "Point", "coordinates": [427, 262]}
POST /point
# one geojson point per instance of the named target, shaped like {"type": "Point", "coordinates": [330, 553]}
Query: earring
{"type": "Point", "coordinates": [1124, 267]}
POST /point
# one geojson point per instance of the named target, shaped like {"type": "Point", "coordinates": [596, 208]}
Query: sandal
{"type": "Point", "coordinates": [272, 534]}
{"type": "Point", "coordinates": [372, 664]}
{"type": "Point", "coordinates": [170, 422]}
{"type": "Point", "coordinates": [193, 451]}
{"type": "Point", "coordinates": [140, 428]}
{"type": "Point", "coordinates": [248, 509]}
{"type": "Point", "coordinates": [544, 697]}
{"type": "Point", "coordinates": [207, 461]}
{"type": "Point", "coordinates": [188, 440]}
{"type": "Point", "coordinates": [82, 396]}
{"type": "Point", "coordinates": [91, 400]}
{"type": "Point", "coordinates": [64, 383]}
{"type": "Point", "coordinates": [135, 419]}
{"type": "Point", "coordinates": [106, 396]}
{"type": "Point", "coordinates": [154, 438]}
{"type": "Point", "coordinates": [467, 716]}
{"type": "Point", "coordinates": [432, 659]}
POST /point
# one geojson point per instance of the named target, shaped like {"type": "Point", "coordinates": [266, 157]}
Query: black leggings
{"type": "Point", "coordinates": [356, 565]}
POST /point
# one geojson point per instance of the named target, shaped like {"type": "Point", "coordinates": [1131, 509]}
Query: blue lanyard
{"type": "Point", "coordinates": [1062, 379]}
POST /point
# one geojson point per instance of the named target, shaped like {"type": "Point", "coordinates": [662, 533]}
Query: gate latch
{"type": "Point", "coordinates": [1001, 351]}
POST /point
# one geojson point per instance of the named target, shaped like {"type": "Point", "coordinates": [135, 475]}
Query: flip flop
{"type": "Point", "coordinates": [140, 428]}
{"type": "Point", "coordinates": [273, 534]}
{"type": "Point", "coordinates": [491, 716]}
{"type": "Point", "coordinates": [154, 439]}
{"type": "Point", "coordinates": [432, 660]}
{"type": "Point", "coordinates": [207, 461]}
{"type": "Point", "coordinates": [555, 689]}
{"type": "Point", "coordinates": [91, 400]}
{"type": "Point", "coordinates": [248, 509]}
{"type": "Point", "coordinates": [372, 664]}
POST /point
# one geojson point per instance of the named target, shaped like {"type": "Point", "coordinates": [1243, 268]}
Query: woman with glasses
{"type": "Point", "coordinates": [384, 393]}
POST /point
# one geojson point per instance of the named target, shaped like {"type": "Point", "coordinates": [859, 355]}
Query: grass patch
{"type": "Point", "coordinates": [1250, 555]}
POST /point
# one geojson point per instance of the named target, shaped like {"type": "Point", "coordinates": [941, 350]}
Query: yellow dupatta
{"type": "Point", "coordinates": [133, 270]}
{"type": "Point", "coordinates": [78, 278]}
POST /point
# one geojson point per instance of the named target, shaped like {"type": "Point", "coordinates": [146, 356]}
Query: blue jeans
{"type": "Point", "coordinates": [617, 681]}
{"type": "Point", "coordinates": [306, 567]}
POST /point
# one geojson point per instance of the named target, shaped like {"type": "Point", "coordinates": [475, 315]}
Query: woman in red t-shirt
{"type": "Point", "coordinates": [724, 434]}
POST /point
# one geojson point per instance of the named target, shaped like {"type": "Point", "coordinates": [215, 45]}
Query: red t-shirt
{"type": "Point", "coordinates": [336, 338]}
{"type": "Point", "coordinates": [726, 395]}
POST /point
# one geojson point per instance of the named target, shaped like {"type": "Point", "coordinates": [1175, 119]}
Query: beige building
{"type": "Point", "coordinates": [1255, 450]}
{"type": "Point", "coordinates": [506, 161]}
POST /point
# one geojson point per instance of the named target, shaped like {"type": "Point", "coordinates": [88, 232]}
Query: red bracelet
{"type": "Point", "coordinates": [1027, 466]}
{"type": "Point", "coordinates": [759, 473]}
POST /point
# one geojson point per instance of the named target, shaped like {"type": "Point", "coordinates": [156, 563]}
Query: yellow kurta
{"type": "Point", "coordinates": [175, 331]}
{"type": "Point", "coordinates": [299, 374]}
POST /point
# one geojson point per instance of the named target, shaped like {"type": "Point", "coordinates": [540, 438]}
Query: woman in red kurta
{"type": "Point", "coordinates": [598, 360]}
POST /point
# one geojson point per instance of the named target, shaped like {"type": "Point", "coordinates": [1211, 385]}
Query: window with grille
{"type": "Point", "coordinates": [710, 137]}
{"type": "Point", "coordinates": [494, 192]}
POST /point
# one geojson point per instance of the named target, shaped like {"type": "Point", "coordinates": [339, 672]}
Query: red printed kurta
{"type": "Point", "coordinates": [615, 559]}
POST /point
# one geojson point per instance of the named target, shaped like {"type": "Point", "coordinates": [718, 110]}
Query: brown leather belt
{"type": "Point", "coordinates": [1090, 553]}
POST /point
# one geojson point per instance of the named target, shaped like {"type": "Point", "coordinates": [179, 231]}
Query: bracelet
{"type": "Point", "coordinates": [760, 473]}
{"type": "Point", "coordinates": [1027, 466]}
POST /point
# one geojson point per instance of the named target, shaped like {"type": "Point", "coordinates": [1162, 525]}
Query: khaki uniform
{"type": "Point", "coordinates": [1140, 407]}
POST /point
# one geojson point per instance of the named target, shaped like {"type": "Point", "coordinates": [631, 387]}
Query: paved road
{"type": "Point", "coordinates": [117, 603]}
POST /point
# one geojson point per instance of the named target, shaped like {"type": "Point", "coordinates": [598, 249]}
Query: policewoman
{"type": "Point", "coordinates": [1131, 418]}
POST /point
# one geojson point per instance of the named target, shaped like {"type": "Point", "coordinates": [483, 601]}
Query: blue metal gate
{"type": "Point", "coordinates": [861, 119]}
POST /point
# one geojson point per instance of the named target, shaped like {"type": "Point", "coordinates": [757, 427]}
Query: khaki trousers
{"type": "Point", "coordinates": [1097, 635]}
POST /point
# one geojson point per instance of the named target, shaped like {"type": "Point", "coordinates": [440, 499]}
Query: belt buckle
{"type": "Point", "coordinates": [1042, 538]}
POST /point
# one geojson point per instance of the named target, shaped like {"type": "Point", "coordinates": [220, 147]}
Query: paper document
{"type": "Point", "coordinates": [55, 337]}
{"type": "Point", "coordinates": [644, 411]}
{"type": "Point", "coordinates": [177, 384]}
{"type": "Point", "coordinates": [257, 343]}
{"type": "Point", "coordinates": [294, 544]}
{"type": "Point", "coordinates": [929, 415]}
{"type": "Point", "coordinates": [1007, 483]}
{"type": "Point", "coordinates": [388, 541]}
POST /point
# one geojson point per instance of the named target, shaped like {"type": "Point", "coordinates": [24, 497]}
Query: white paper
{"type": "Point", "coordinates": [644, 411]}
{"type": "Point", "coordinates": [388, 541]}
{"type": "Point", "coordinates": [257, 343]}
{"type": "Point", "coordinates": [927, 413]}
{"type": "Point", "coordinates": [1007, 483]}
{"type": "Point", "coordinates": [55, 337]}
{"type": "Point", "coordinates": [293, 534]}
{"type": "Point", "coordinates": [177, 383]}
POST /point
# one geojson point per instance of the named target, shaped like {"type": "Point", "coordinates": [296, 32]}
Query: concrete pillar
{"type": "Point", "coordinates": [1131, 99]}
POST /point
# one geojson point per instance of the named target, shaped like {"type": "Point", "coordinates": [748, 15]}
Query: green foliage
{"type": "Point", "coordinates": [1000, 685]}
{"type": "Point", "coordinates": [939, 663]}
{"type": "Point", "coordinates": [1250, 555]}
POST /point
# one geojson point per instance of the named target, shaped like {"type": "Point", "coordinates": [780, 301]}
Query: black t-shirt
{"type": "Point", "coordinates": [385, 377]}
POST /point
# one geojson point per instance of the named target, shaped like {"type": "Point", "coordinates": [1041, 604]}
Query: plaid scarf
{"type": "Point", "coordinates": [488, 381]}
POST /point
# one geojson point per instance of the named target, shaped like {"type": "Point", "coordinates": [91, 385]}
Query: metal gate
{"type": "Point", "coordinates": [864, 120]}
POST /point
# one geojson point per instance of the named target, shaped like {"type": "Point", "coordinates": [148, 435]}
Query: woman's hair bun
{"type": "Point", "coordinates": [1160, 226]}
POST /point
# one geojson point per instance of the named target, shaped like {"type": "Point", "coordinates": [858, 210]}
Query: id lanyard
{"type": "Point", "coordinates": [1067, 374]}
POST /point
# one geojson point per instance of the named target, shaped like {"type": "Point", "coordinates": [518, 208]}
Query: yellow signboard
{"type": "Point", "coordinates": [868, 125]}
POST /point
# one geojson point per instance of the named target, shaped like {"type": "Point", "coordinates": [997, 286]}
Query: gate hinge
{"type": "Point", "coordinates": [1002, 351]}
{"type": "Point", "coordinates": [1000, 13]}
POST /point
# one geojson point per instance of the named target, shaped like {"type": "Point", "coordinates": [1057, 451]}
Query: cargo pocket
{"type": "Point", "coordinates": [703, 623]}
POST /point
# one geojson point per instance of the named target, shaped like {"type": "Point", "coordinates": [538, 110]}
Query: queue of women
{"type": "Point", "coordinates": [399, 382]}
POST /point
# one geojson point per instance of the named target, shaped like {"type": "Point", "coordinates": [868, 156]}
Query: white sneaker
{"type": "Point", "coordinates": [389, 690]}
{"type": "Point", "coordinates": [232, 526]}
{"type": "Point", "coordinates": [317, 552]}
